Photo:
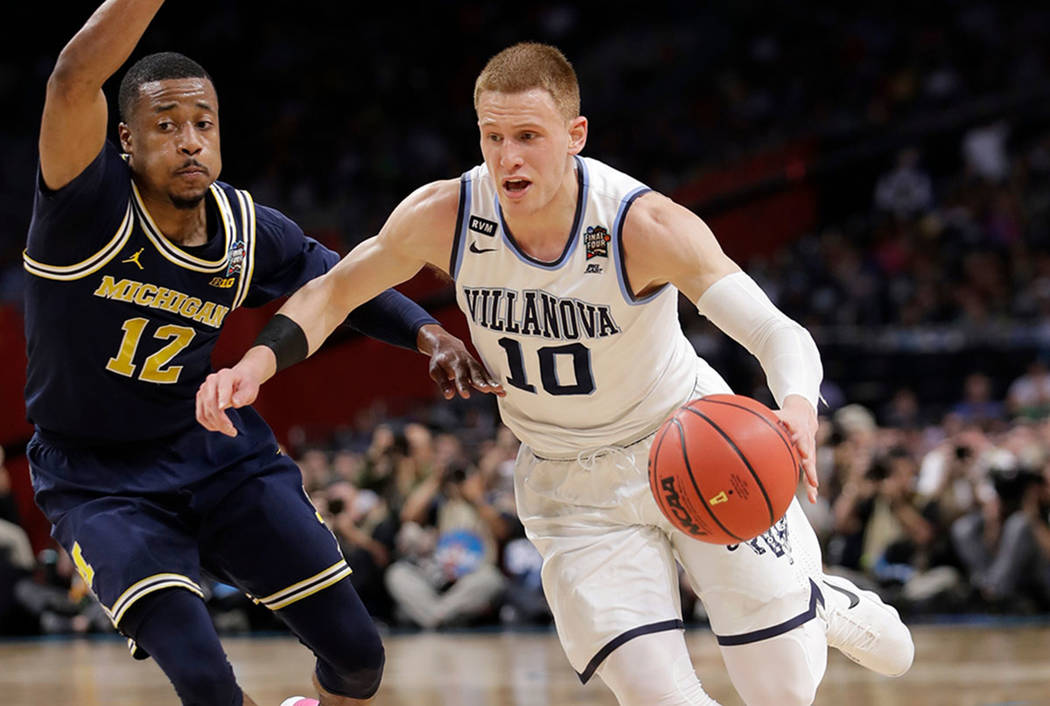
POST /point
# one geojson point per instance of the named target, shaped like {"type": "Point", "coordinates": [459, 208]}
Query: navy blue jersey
{"type": "Point", "coordinates": [120, 321]}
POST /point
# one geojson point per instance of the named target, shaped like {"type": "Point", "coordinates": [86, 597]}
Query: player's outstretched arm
{"type": "Point", "coordinates": [420, 231]}
{"type": "Point", "coordinates": [73, 126]}
{"type": "Point", "coordinates": [665, 242]}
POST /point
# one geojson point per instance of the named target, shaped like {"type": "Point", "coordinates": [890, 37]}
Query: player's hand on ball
{"type": "Point", "coordinates": [800, 419]}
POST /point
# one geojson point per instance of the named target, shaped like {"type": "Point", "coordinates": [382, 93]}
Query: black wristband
{"type": "Point", "coordinates": [286, 339]}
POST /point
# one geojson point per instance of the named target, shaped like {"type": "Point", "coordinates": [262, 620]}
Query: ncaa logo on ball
{"type": "Point", "coordinates": [674, 503]}
{"type": "Point", "coordinates": [720, 498]}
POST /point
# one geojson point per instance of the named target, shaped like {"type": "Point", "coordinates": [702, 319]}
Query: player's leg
{"type": "Point", "coordinates": [865, 629]}
{"type": "Point", "coordinates": [265, 536]}
{"type": "Point", "coordinates": [174, 627]}
{"type": "Point", "coordinates": [764, 610]}
{"type": "Point", "coordinates": [654, 670]}
{"type": "Point", "coordinates": [334, 624]}
{"type": "Point", "coordinates": [857, 622]}
{"type": "Point", "coordinates": [152, 596]}
{"type": "Point", "coordinates": [611, 582]}
{"type": "Point", "coordinates": [779, 671]}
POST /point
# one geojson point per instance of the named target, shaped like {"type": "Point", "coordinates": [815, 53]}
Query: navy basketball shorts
{"type": "Point", "coordinates": [249, 524]}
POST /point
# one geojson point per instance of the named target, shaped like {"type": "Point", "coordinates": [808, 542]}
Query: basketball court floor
{"type": "Point", "coordinates": [1000, 665]}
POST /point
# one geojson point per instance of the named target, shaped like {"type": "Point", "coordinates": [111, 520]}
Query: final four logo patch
{"type": "Point", "coordinates": [235, 257]}
{"type": "Point", "coordinates": [596, 238]}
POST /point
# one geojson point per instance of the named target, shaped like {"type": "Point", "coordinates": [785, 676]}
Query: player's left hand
{"type": "Point", "coordinates": [800, 419]}
{"type": "Point", "coordinates": [233, 387]}
{"type": "Point", "coordinates": [452, 366]}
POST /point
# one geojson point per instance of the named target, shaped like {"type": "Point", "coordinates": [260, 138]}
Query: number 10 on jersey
{"type": "Point", "coordinates": [548, 356]}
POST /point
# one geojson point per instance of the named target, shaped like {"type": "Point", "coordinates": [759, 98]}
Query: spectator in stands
{"type": "Point", "coordinates": [8, 508]}
{"type": "Point", "coordinates": [877, 511]}
{"type": "Point", "coordinates": [906, 190]}
{"type": "Point", "coordinates": [314, 466]}
{"type": "Point", "coordinates": [1006, 546]}
{"type": "Point", "coordinates": [361, 520]}
{"type": "Point", "coordinates": [450, 540]}
{"type": "Point", "coordinates": [57, 599]}
{"type": "Point", "coordinates": [1029, 395]}
{"type": "Point", "coordinates": [978, 405]}
{"type": "Point", "coordinates": [952, 474]}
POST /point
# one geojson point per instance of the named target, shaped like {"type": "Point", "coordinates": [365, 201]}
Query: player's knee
{"type": "Point", "coordinates": [335, 625]}
{"type": "Point", "coordinates": [354, 673]}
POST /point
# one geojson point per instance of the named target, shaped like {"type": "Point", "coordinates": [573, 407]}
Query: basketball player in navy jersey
{"type": "Point", "coordinates": [569, 272]}
{"type": "Point", "coordinates": [136, 256]}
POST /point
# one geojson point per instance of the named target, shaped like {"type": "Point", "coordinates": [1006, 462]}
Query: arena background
{"type": "Point", "coordinates": [882, 170]}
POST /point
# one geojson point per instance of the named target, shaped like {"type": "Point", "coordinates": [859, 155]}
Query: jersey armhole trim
{"type": "Point", "coordinates": [247, 205]}
{"type": "Point", "coordinates": [456, 257]}
{"type": "Point", "coordinates": [618, 252]}
{"type": "Point", "coordinates": [85, 267]}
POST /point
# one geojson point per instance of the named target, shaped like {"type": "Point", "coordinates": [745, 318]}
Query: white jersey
{"type": "Point", "coordinates": [584, 362]}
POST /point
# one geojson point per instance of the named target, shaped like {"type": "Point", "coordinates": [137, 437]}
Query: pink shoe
{"type": "Point", "coordinates": [299, 701]}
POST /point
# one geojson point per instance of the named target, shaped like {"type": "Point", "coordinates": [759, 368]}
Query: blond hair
{"type": "Point", "coordinates": [529, 65]}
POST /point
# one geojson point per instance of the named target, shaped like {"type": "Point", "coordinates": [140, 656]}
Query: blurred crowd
{"type": "Point", "coordinates": [940, 518]}
{"type": "Point", "coordinates": [671, 91]}
{"type": "Point", "coordinates": [940, 248]}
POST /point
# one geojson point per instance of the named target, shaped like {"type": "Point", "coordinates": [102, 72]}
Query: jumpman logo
{"type": "Point", "coordinates": [135, 259]}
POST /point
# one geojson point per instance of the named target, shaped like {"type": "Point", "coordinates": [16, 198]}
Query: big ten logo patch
{"type": "Point", "coordinates": [596, 239]}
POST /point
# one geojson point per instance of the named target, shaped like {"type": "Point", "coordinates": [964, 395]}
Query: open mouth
{"type": "Point", "coordinates": [516, 186]}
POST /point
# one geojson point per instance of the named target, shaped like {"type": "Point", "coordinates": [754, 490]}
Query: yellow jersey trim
{"type": "Point", "coordinates": [306, 587]}
{"type": "Point", "coordinates": [172, 252]}
{"type": "Point", "coordinates": [88, 266]}
{"type": "Point", "coordinates": [248, 266]}
{"type": "Point", "coordinates": [145, 587]}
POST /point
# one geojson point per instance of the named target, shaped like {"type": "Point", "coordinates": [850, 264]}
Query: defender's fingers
{"type": "Point", "coordinates": [199, 409]}
{"type": "Point", "coordinates": [483, 382]}
{"type": "Point", "coordinates": [208, 398]}
{"type": "Point", "coordinates": [463, 380]}
{"type": "Point", "coordinates": [225, 389]}
{"type": "Point", "coordinates": [219, 401]}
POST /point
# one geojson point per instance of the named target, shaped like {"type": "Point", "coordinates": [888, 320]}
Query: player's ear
{"type": "Point", "coordinates": [577, 134]}
{"type": "Point", "coordinates": [124, 132]}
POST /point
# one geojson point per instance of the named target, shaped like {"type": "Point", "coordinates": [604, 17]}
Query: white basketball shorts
{"type": "Point", "coordinates": [609, 554]}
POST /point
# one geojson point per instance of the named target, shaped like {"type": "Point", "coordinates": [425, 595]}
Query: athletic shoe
{"type": "Point", "coordinates": [865, 629]}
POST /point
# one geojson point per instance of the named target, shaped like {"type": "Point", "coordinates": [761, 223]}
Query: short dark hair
{"type": "Point", "coordinates": [155, 67]}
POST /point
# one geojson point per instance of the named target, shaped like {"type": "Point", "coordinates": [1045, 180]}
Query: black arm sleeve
{"type": "Point", "coordinates": [390, 317]}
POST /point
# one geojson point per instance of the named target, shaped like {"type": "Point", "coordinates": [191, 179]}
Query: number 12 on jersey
{"type": "Point", "coordinates": [548, 355]}
{"type": "Point", "coordinates": [153, 368]}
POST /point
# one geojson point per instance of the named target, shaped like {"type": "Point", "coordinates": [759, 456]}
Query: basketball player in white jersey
{"type": "Point", "coordinates": [569, 273]}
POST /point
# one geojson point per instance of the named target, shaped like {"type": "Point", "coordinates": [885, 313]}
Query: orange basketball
{"type": "Point", "coordinates": [723, 469]}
